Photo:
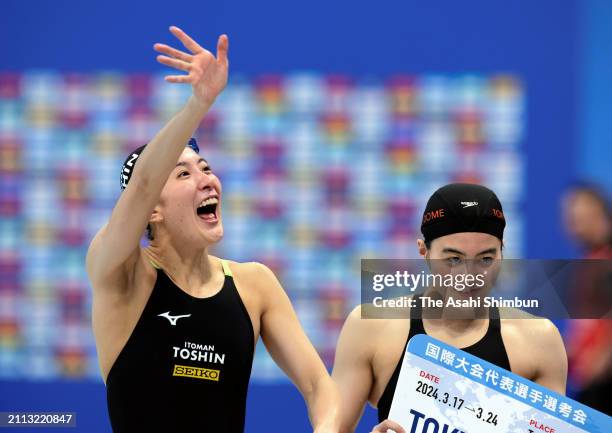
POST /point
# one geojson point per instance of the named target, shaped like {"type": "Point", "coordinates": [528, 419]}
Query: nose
{"type": "Point", "coordinates": [470, 265]}
{"type": "Point", "coordinates": [205, 180]}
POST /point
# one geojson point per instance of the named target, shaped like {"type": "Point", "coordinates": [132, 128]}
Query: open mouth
{"type": "Point", "coordinates": [207, 210]}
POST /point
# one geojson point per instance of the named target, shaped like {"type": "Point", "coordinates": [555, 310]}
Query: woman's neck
{"type": "Point", "coordinates": [192, 270]}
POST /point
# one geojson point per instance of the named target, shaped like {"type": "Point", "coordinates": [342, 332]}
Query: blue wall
{"type": "Point", "coordinates": [595, 105]}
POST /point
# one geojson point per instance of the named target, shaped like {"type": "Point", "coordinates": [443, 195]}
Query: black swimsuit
{"type": "Point", "coordinates": [490, 348]}
{"type": "Point", "coordinates": [187, 364]}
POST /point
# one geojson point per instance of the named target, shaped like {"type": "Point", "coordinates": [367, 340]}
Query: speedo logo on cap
{"type": "Point", "coordinates": [466, 204]}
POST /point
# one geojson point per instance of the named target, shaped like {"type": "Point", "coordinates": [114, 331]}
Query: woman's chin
{"type": "Point", "coordinates": [215, 235]}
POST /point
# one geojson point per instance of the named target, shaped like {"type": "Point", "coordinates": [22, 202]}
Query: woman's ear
{"type": "Point", "coordinates": [422, 247]}
{"type": "Point", "coordinates": [156, 216]}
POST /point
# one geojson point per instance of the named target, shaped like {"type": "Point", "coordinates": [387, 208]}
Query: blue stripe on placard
{"type": "Point", "coordinates": [510, 384]}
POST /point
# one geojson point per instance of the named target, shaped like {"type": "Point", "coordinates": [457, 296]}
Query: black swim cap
{"type": "Point", "coordinates": [128, 165]}
{"type": "Point", "coordinates": [462, 207]}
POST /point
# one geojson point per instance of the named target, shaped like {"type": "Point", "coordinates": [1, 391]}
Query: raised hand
{"type": "Point", "coordinates": [206, 74]}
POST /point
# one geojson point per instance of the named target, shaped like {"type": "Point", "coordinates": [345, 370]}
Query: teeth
{"type": "Point", "coordinates": [211, 200]}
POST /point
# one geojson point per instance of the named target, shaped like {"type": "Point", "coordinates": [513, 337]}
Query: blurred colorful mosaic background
{"type": "Point", "coordinates": [318, 172]}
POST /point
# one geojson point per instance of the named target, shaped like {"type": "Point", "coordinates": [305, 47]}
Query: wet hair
{"type": "Point", "coordinates": [149, 232]}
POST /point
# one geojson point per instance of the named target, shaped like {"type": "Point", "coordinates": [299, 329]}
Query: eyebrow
{"type": "Point", "coordinates": [454, 251]}
{"type": "Point", "coordinates": [184, 164]}
{"type": "Point", "coordinates": [488, 251]}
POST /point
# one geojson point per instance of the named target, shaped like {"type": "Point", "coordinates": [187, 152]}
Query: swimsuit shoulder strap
{"type": "Point", "coordinates": [226, 269]}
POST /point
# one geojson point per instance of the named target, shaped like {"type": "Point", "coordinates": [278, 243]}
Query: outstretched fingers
{"type": "Point", "coordinates": [178, 79]}
{"type": "Point", "coordinates": [189, 43]}
{"type": "Point", "coordinates": [173, 52]}
{"type": "Point", "coordinates": [174, 63]}
{"type": "Point", "coordinates": [222, 48]}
